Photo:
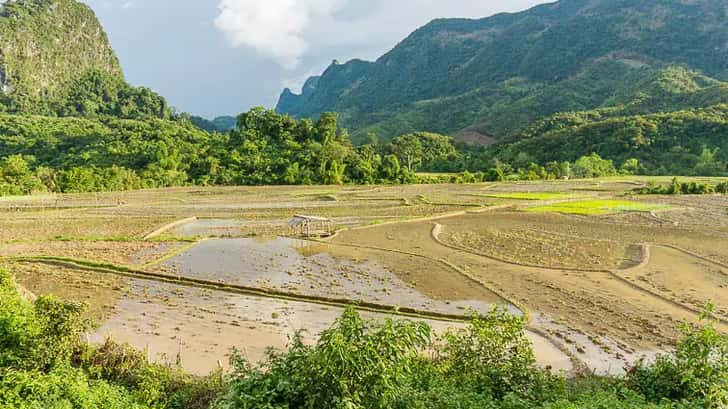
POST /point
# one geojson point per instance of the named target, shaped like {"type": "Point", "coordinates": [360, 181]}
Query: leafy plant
{"type": "Point", "coordinates": [697, 372]}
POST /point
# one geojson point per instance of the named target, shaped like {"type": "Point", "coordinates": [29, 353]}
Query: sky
{"type": "Point", "coordinates": [223, 57]}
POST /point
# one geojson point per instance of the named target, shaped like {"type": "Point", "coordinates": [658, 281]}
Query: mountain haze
{"type": "Point", "coordinates": [489, 79]}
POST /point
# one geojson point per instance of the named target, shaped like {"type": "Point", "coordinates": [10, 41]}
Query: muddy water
{"type": "Point", "coordinates": [238, 228]}
{"type": "Point", "coordinates": [218, 227]}
{"type": "Point", "coordinates": [201, 327]}
{"type": "Point", "coordinates": [300, 267]}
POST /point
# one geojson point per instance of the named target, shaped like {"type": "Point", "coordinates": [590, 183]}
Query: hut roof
{"type": "Point", "coordinates": [301, 219]}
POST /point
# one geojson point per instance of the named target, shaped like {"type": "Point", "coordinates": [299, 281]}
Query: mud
{"type": "Point", "coordinates": [326, 270]}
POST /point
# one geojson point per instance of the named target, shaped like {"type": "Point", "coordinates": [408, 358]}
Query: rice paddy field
{"type": "Point", "coordinates": [602, 277]}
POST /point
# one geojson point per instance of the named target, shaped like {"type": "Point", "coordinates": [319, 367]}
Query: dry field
{"type": "Point", "coordinates": [602, 277]}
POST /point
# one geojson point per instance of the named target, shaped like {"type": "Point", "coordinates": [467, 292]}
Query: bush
{"type": "Point", "coordinates": [43, 364]}
{"type": "Point", "coordinates": [697, 372]}
{"type": "Point", "coordinates": [677, 188]}
{"type": "Point", "coordinates": [355, 364]}
{"type": "Point", "coordinates": [62, 387]}
{"type": "Point", "coordinates": [493, 353]}
{"type": "Point", "coordinates": [161, 385]}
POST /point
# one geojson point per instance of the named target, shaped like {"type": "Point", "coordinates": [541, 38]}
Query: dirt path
{"type": "Point", "coordinates": [169, 226]}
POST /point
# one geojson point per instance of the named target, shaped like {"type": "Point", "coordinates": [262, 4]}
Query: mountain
{"type": "Point", "coordinates": [55, 59]}
{"type": "Point", "coordinates": [488, 80]}
{"type": "Point", "coordinates": [219, 124]}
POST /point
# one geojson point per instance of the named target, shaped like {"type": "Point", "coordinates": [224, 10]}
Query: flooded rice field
{"type": "Point", "coordinates": [310, 268]}
{"type": "Point", "coordinates": [199, 328]}
{"type": "Point", "coordinates": [600, 290]}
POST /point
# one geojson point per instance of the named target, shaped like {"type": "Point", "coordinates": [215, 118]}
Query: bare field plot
{"type": "Point", "coordinates": [684, 278]}
{"type": "Point", "coordinates": [594, 302]}
{"type": "Point", "coordinates": [537, 248]}
{"type": "Point", "coordinates": [117, 252]}
{"type": "Point", "coordinates": [100, 292]}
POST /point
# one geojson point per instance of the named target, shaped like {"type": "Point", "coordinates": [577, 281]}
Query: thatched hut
{"type": "Point", "coordinates": [311, 226]}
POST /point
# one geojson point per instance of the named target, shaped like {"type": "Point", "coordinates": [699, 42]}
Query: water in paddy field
{"type": "Point", "coordinates": [219, 227]}
{"type": "Point", "coordinates": [308, 268]}
{"type": "Point", "coordinates": [203, 326]}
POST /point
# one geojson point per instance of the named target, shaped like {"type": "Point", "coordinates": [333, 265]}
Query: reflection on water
{"type": "Point", "coordinates": [203, 326]}
{"type": "Point", "coordinates": [306, 268]}
{"type": "Point", "coordinates": [219, 227]}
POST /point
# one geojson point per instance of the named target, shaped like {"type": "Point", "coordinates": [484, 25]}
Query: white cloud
{"type": "Point", "coordinates": [275, 28]}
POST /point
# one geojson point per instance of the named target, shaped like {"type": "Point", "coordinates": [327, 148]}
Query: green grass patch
{"type": "Point", "coordinates": [536, 196]}
{"type": "Point", "coordinates": [597, 207]}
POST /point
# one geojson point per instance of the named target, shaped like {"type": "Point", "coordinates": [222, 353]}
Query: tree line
{"type": "Point", "coordinates": [108, 153]}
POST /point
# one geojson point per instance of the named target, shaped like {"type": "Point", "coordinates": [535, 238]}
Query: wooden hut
{"type": "Point", "coordinates": [311, 226]}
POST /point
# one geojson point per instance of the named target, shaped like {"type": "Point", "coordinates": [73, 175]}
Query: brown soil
{"type": "Point", "coordinates": [600, 316]}
{"type": "Point", "coordinates": [594, 302]}
{"type": "Point", "coordinates": [98, 291]}
{"type": "Point", "coordinates": [124, 253]}
{"type": "Point", "coordinates": [684, 278]}
{"type": "Point", "coordinates": [539, 248]}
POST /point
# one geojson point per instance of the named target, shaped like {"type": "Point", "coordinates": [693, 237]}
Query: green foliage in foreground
{"type": "Point", "coordinates": [44, 365]}
{"type": "Point", "coordinates": [356, 364]}
{"type": "Point", "coordinates": [489, 364]}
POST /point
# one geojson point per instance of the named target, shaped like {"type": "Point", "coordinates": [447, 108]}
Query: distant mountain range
{"type": "Point", "coordinates": [493, 79]}
{"type": "Point", "coordinates": [637, 79]}
{"type": "Point", "coordinates": [219, 124]}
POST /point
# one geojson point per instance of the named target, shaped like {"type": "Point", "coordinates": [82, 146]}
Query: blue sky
{"type": "Point", "coordinates": [220, 57]}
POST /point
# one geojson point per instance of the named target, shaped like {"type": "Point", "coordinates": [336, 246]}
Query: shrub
{"type": "Point", "coordinates": [494, 354]}
{"type": "Point", "coordinates": [355, 364]}
{"type": "Point", "coordinates": [696, 372]}
{"type": "Point", "coordinates": [43, 364]}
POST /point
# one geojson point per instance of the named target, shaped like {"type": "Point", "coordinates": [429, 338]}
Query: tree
{"type": "Point", "coordinates": [408, 149]}
{"type": "Point", "coordinates": [631, 166]}
{"type": "Point", "coordinates": [708, 164]}
{"type": "Point", "coordinates": [391, 171]}
{"type": "Point", "coordinates": [593, 166]}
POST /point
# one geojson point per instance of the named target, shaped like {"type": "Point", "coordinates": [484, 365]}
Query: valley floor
{"type": "Point", "coordinates": [602, 278]}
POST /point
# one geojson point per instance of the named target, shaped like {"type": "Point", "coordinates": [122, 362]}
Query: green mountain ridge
{"type": "Point", "coordinates": [488, 79]}
{"type": "Point", "coordinates": [219, 124]}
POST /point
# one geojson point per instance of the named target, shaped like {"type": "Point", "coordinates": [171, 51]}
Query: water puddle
{"type": "Point", "coordinates": [303, 267]}
{"type": "Point", "coordinates": [219, 227]}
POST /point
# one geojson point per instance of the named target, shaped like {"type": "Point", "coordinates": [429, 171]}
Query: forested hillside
{"type": "Point", "coordinates": [489, 79]}
{"type": "Point", "coordinates": [55, 59]}
{"type": "Point", "coordinates": [39, 154]}
{"type": "Point", "coordinates": [645, 99]}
